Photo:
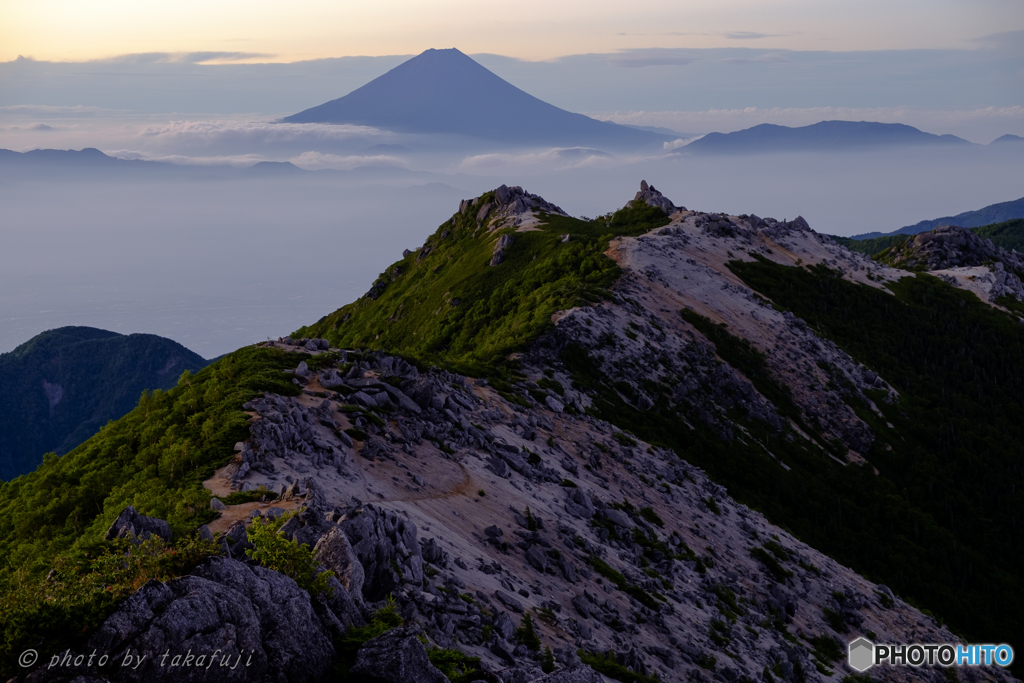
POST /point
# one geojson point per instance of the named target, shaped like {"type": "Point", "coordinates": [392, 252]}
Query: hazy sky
{"type": "Point", "coordinates": [271, 30]}
{"type": "Point", "coordinates": [216, 260]}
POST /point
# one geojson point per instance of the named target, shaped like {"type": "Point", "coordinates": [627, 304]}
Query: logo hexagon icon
{"type": "Point", "coordinates": [862, 654]}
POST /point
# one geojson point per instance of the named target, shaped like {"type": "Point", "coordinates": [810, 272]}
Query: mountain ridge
{"type": "Point", "coordinates": [663, 441]}
{"type": "Point", "coordinates": [821, 136]}
{"type": "Point", "coordinates": [993, 213]}
{"type": "Point", "coordinates": [61, 386]}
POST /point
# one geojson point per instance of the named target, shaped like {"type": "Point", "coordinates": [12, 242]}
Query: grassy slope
{"type": "Point", "coordinates": [154, 458]}
{"type": "Point", "coordinates": [451, 307]}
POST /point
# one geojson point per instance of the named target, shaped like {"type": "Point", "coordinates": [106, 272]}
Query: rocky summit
{"type": "Point", "coordinates": [678, 478]}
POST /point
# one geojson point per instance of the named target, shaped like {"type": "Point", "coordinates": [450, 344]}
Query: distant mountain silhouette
{"type": "Point", "coordinates": [822, 136]}
{"type": "Point", "coordinates": [65, 157]}
{"type": "Point", "coordinates": [273, 168]}
{"type": "Point", "coordinates": [61, 386]}
{"type": "Point", "coordinates": [1002, 140]}
{"type": "Point", "coordinates": [994, 213]}
{"type": "Point", "coordinates": [444, 91]}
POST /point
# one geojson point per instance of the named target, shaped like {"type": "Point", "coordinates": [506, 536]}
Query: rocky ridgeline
{"type": "Point", "coordinates": [950, 246]}
{"type": "Point", "coordinates": [510, 207]}
{"type": "Point", "coordinates": [641, 340]}
{"type": "Point", "coordinates": [472, 507]}
{"type": "Point", "coordinates": [963, 259]}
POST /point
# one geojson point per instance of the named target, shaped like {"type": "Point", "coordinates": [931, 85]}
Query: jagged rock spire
{"type": "Point", "coordinates": [652, 197]}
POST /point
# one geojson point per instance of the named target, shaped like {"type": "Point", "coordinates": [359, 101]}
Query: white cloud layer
{"type": "Point", "coordinates": [257, 133]}
{"type": "Point", "coordinates": [554, 159]}
{"type": "Point", "coordinates": [315, 161]}
{"type": "Point", "coordinates": [237, 160]}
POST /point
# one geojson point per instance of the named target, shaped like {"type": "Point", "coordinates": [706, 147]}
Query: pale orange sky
{"type": "Point", "coordinates": [72, 30]}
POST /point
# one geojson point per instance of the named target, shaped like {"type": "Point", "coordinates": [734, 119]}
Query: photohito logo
{"type": "Point", "coordinates": [863, 654]}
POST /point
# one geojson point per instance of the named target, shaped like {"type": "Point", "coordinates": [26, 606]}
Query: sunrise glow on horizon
{"type": "Point", "coordinates": [263, 31]}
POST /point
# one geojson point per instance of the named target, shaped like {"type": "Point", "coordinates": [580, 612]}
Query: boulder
{"type": "Point", "coordinates": [433, 553]}
{"type": "Point", "coordinates": [131, 525]}
{"type": "Point", "coordinates": [386, 546]}
{"type": "Point", "coordinates": [330, 378]}
{"type": "Point", "coordinates": [403, 401]}
{"type": "Point", "coordinates": [396, 657]}
{"type": "Point", "coordinates": [581, 673]}
{"type": "Point", "coordinates": [503, 649]}
{"type": "Point", "coordinates": [618, 518]}
{"type": "Point", "coordinates": [252, 618]}
{"type": "Point", "coordinates": [579, 504]}
{"type": "Point", "coordinates": [535, 556]}
{"type": "Point", "coordinates": [509, 602]}
{"type": "Point", "coordinates": [334, 552]}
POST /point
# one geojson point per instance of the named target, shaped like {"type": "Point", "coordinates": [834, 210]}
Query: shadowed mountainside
{"type": "Point", "coordinates": [61, 386]}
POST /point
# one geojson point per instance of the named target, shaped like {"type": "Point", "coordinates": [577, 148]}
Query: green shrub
{"type": "Point", "coordinates": [457, 666]}
{"type": "Point", "coordinates": [624, 440]}
{"type": "Point", "coordinates": [501, 309]}
{"type": "Point", "coordinates": [239, 497]}
{"type": "Point", "coordinates": [616, 577]}
{"type": "Point", "coordinates": [531, 523]}
{"type": "Point", "coordinates": [547, 660]}
{"type": "Point", "coordinates": [62, 610]}
{"type": "Point", "coordinates": [357, 434]}
{"type": "Point", "coordinates": [526, 634]}
{"type": "Point", "coordinates": [777, 571]}
{"type": "Point", "coordinates": [651, 516]}
{"type": "Point", "coordinates": [834, 619]}
{"type": "Point", "coordinates": [607, 665]}
{"type": "Point", "coordinates": [382, 621]}
{"type": "Point", "coordinates": [291, 558]}
{"type": "Point", "coordinates": [826, 648]}
{"type": "Point", "coordinates": [713, 505]}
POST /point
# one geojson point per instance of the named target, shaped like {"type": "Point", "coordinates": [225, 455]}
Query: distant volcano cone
{"type": "Point", "coordinates": [444, 91]}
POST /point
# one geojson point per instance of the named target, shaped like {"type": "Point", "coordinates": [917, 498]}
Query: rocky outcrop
{"type": "Point", "coordinates": [291, 432]}
{"type": "Point", "coordinates": [226, 621]}
{"type": "Point", "coordinates": [503, 243]}
{"type": "Point", "coordinates": [652, 197]}
{"type": "Point", "coordinates": [509, 207]}
{"type": "Point", "coordinates": [335, 553]}
{"type": "Point", "coordinates": [135, 527]}
{"type": "Point", "coordinates": [386, 546]}
{"type": "Point", "coordinates": [396, 657]}
{"type": "Point", "coordinates": [950, 246]}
